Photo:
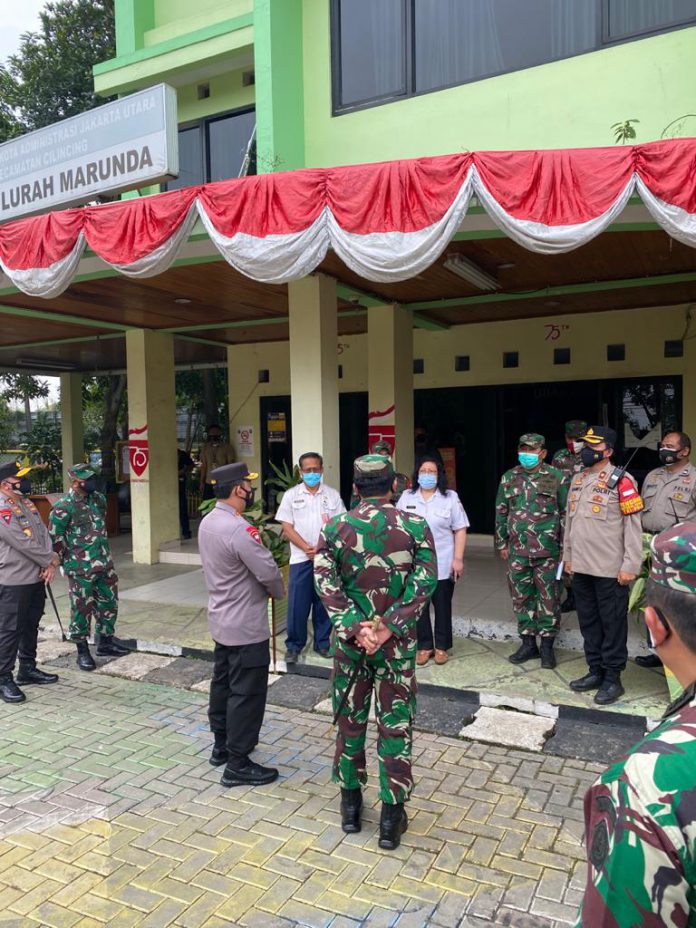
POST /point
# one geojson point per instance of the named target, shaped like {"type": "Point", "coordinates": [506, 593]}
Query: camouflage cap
{"type": "Point", "coordinates": [533, 439]}
{"type": "Point", "coordinates": [381, 447]}
{"type": "Point", "coordinates": [372, 465]}
{"type": "Point", "coordinates": [81, 472]}
{"type": "Point", "coordinates": [674, 557]}
{"type": "Point", "coordinates": [575, 428]}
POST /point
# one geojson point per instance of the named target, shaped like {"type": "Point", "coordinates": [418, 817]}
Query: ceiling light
{"type": "Point", "coordinates": [508, 266]}
{"type": "Point", "coordinates": [182, 301]}
{"type": "Point", "coordinates": [470, 272]}
{"type": "Point", "coordinates": [46, 365]}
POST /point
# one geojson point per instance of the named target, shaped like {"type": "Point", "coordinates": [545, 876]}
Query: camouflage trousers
{"type": "Point", "coordinates": [94, 597]}
{"type": "Point", "coordinates": [394, 685]}
{"type": "Point", "coordinates": [536, 594]}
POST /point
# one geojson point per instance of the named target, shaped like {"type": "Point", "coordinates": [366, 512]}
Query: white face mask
{"type": "Point", "coordinates": [577, 446]}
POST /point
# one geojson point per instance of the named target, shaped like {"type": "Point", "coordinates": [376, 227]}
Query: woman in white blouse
{"type": "Point", "coordinates": [444, 513]}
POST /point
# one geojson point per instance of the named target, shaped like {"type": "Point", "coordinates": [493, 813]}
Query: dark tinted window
{"type": "Point", "coordinates": [372, 40]}
{"type": "Point", "coordinates": [463, 40]}
{"type": "Point", "coordinates": [632, 17]}
{"type": "Point", "coordinates": [228, 139]}
{"type": "Point", "coordinates": [191, 162]}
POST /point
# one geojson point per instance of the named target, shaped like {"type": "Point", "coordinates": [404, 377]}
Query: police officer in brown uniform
{"type": "Point", "coordinates": [240, 575]}
{"type": "Point", "coordinates": [669, 494]}
{"type": "Point", "coordinates": [27, 563]}
{"type": "Point", "coordinates": [603, 551]}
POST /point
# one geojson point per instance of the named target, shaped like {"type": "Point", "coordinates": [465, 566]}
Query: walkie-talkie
{"type": "Point", "coordinates": [619, 472]}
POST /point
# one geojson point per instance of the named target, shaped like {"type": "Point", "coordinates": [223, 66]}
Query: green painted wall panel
{"type": "Point", "coordinates": [177, 17]}
{"type": "Point", "coordinates": [570, 103]}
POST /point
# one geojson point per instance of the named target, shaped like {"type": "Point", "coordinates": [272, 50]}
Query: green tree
{"type": "Point", "coordinates": [23, 388]}
{"type": "Point", "coordinates": [43, 446]}
{"type": "Point", "coordinates": [50, 77]}
{"type": "Point", "coordinates": [6, 426]}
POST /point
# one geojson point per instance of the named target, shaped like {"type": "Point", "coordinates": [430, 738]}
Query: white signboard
{"type": "Point", "coordinates": [129, 143]}
{"type": "Point", "coordinates": [245, 441]}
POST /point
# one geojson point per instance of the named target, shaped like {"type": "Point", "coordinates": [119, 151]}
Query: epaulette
{"type": "Point", "coordinates": [630, 500]}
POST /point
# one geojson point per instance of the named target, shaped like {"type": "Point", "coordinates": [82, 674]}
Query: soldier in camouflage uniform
{"type": "Point", "coordinates": [375, 569]}
{"type": "Point", "coordinates": [401, 481]}
{"type": "Point", "coordinates": [640, 817]}
{"type": "Point", "coordinates": [529, 514]}
{"type": "Point", "coordinates": [568, 461]}
{"type": "Point", "coordinates": [78, 528]}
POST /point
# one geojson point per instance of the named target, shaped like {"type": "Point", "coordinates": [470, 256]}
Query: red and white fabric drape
{"type": "Point", "coordinates": [387, 222]}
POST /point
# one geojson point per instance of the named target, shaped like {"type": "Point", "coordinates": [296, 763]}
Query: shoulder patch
{"type": "Point", "coordinates": [629, 498]}
{"type": "Point", "coordinates": [254, 533]}
{"type": "Point", "coordinates": [6, 515]}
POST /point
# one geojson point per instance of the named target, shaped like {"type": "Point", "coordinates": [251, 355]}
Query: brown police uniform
{"type": "Point", "coordinates": [669, 498]}
{"type": "Point", "coordinates": [599, 542]}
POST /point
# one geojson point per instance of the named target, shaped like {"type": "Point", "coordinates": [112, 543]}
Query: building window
{"type": "Point", "coordinates": [674, 349]}
{"type": "Point", "coordinates": [418, 366]}
{"type": "Point", "coordinates": [389, 49]}
{"type": "Point", "coordinates": [511, 359]}
{"type": "Point", "coordinates": [462, 362]}
{"type": "Point", "coordinates": [214, 149]}
{"type": "Point", "coordinates": [561, 355]}
{"type": "Point", "coordinates": [616, 352]}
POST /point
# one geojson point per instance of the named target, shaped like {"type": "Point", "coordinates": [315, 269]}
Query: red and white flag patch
{"type": "Point", "coordinates": [6, 515]}
{"type": "Point", "coordinates": [254, 532]}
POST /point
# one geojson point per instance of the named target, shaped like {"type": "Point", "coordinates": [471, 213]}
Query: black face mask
{"type": "Point", "coordinates": [23, 487]}
{"type": "Point", "coordinates": [90, 485]}
{"type": "Point", "coordinates": [668, 456]}
{"type": "Point", "coordinates": [250, 498]}
{"type": "Point", "coordinates": [589, 456]}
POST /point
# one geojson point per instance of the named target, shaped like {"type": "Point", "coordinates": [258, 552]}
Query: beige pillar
{"type": "Point", "coordinates": [689, 390]}
{"type": "Point", "coordinates": [245, 419]}
{"type": "Point", "coordinates": [71, 428]}
{"type": "Point", "coordinates": [314, 370]}
{"type": "Point", "coordinates": [390, 379]}
{"type": "Point", "coordinates": [152, 436]}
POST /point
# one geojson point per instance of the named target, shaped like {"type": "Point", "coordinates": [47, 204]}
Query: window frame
{"type": "Point", "coordinates": [202, 125]}
{"type": "Point", "coordinates": [603, 40]}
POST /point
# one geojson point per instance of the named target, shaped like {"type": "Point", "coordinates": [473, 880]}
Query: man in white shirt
{"type": "Point", "coordinates": [303, 511]}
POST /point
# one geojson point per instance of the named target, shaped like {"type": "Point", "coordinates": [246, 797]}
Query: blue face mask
{"type": "Point", "coordinates": [528, 460]}
{"type": "Point", "coordinates": [427, 481]}
{"type": "Point", "coordinates": [312, 480]}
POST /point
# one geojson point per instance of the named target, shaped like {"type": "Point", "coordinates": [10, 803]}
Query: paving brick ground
{"type": "Point", "coordinates": [110, 815]}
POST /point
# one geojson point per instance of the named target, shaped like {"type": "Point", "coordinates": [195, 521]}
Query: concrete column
{"type": "Point", "coordinates": [314, 370]}
{"type": "Point", "coordinates": [390, 379]}
{"type": "Point", "coordinates": [245, 418]}
{"type": "Point", "coordinates": [689, 390]}
{"type": "Point", "coordinates": [71, 427]}
{"type": "Point", "coordinates": [152, 434]}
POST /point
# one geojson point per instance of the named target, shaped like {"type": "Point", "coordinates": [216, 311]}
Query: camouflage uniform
{"type": "Point", "coordinates": [375, 561]}
{"type": "Point", "coordinates": [566, 460]}
{"type": "Point", "coordinates": [640, 815]}
{"type": "Point", "coordinates": [78, 528]}
{"type": "Point", "coordinates": [401, 481]}
{"type": "Point", "coordinates": [529, 513]}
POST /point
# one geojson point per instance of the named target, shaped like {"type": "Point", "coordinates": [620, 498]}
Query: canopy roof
{"type": "Point", "coordinates": [386, 222]}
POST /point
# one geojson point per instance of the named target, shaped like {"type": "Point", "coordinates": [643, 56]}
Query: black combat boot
{"type": "Point", "coordinates": [109, 646]}
{"type": "Point", "coordinates": [548, 658]}
{"type": "Point", "coordinates": [569, 603]}
{"type": "Point", "coordinates": [591, 681]}
{"type": "Point", "coordinates": [29, 673]}
{"type": "Point", "coordinates": [609, 691]}
{"type": "Point", "coordinates": [527, 651]}
{"type": "Point", "coordinates": [85, 661]}
{"type": "Point", "coordinates": [219, 754]}
{"type": "Point", "coordinates": [351, 807]}
{"type": "Point", "coordinates": [392, 824]}
{"type": "Point", "coordinates": [9, 691]}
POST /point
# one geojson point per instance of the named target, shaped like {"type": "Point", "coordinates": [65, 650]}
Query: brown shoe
{"type": "Point", "coordinates": [441, 657]}
{"type": "Point", "coordinates": [422, 657]}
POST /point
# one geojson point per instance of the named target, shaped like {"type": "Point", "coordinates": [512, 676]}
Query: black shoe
{"type": "Point", "coordinates": [109, 646]}
{"type": "Point", "coordinates": [9, 691]}
{"type": "Point", "coordinates": [609, 692]}
{"type": "Point", "coordinates": [324, 652]}
{"type": "Point", "coordinates": [28, 673]}
{"type": "Point", "coordinates": [526, 651]}
{"type": "Point", "coordinates": [648, 660]}
{"type": "Point", "coordinates": [392, 824]}
{"type": "Point", "coordinates": [291, 656]}
{"type": "Point", "coordinates": [248, 774]}
{"type": "Point", "coordinates": [591, 681]}
{"type": "Point", "coordinates": [568, 605]}
{"type": "Point", "coordinates": [351, 807]}
{"type": "Point", "coordinates": [219, 755]}
{"type": "Point", "coordinates": [186, 536]}
{"type": "Point", "coordinates": [548, 658]}
{"type": "Point", "coordinates": [85, 661]}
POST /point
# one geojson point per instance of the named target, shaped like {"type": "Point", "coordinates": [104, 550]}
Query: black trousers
{"type": "Point", "coordinates": [602, 605]}
{"type": "Point", "coordinates": [183, 510]}
{"type": "Point", "coordinates": [442, 607]}
{"type": "Point", "coordinates": [21, 608]}
{"type": "Point", "coordinates": [238, 695]}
